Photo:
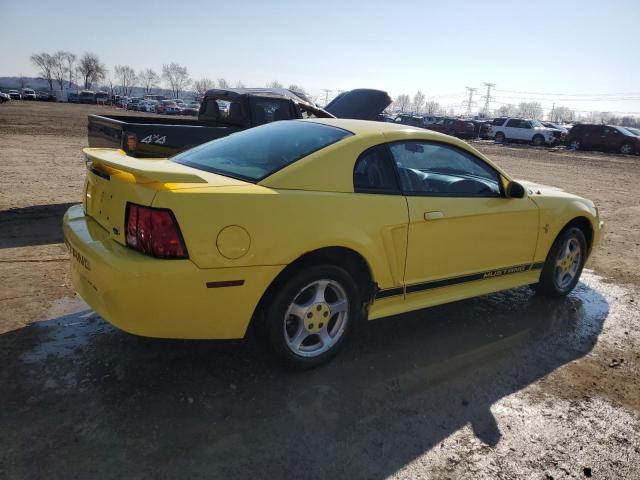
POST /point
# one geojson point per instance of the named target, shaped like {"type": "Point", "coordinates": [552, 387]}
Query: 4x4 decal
{"type": "Point", "coordinates": [155, 138]}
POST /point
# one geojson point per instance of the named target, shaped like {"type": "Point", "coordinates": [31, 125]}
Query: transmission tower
{"type": "Point", "coordinates": [469, 102]}
{"type": "Point", "coordinates": [487, 97]}
{"type": "Point", "coordinates": [326, 95]}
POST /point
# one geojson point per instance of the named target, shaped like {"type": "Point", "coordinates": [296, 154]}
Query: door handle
{"type": "Point", "coordinates": [433, 215]}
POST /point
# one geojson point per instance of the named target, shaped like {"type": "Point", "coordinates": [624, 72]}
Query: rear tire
{"type": "Point", "coordinates": [537, 141]}
{"type": "Point", "coordinates": [311, 315]}
{"type": "Point", "coordinates": [575, 144]}
{"type": "Point", "coordinates": [499, 137]}
{"type": "Point", "coordinates": [564, 264]}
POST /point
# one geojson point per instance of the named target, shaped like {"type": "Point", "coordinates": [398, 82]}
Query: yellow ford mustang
{"type": "Point", "coordinates": [302, 228]}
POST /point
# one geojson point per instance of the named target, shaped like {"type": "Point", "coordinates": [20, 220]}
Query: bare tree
{"type": "Point", "coordinates": [432, 108]}
{"type": "Point", "coordinates": [149, 79]}
{"type": "Point", "coordinates": [201, 86]}
{"type": "Point", "coordinates": [530, 110]}
{"type": "Point", "coordinates": [91, 69]}
{"type": "Point", "coordinates": [562, 114]}
{"type": "Point", "coordinates": [127, 78]}
{"type": "Point", "coordinates": [274, 84]}
{"type": "Point", "coordinates": [507, 111]}
{"type": "Point", "coordinates": [222, 83]}
{"type": "Point", "coordinates": [403, 102]}
{"type": "Point", "coordinates": [45, 63]}
{"type": "Point", "coordinates": [240, 84]}
{"type": "Point", "coordinates": [59, 67]}
{"type": "Point", "coordinates": [418, 101]}
{"type": "Point", "coordinates": [177, 77]}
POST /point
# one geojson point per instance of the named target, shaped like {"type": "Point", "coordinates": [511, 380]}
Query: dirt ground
{"type": "Point", "coordinates": [502, 386]}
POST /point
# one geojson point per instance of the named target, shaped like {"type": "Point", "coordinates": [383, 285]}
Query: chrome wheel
{"type": "Point", "coordinates": [626, 149]}
{"type": "Point", "coordinates": [317, 318]}
{"type": "Point", "coordinates": [574, 145]}
{"type": "Point", "coordinates": [567, 263]}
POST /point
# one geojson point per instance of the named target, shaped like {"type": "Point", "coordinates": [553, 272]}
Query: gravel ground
{"type": "Point", "coordinates": [502, 386]}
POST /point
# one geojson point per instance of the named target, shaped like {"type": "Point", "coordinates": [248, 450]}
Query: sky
{"type": "Point", "coordinates": [580, 54]}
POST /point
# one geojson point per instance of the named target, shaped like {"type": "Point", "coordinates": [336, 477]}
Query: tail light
{"type": "Point", "coordinates": [131, 141]}
{"type": "Point", "coordinates": [154, 232]}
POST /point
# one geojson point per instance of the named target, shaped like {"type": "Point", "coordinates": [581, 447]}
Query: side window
{"type": "Point", "coordinates": [374, 172]}
{"type": "Point", "coordinates": [271, 110]}
{"type": "Point", "coordinates": [428, 168]}
{"type": "Point", "coordinates": [498, 122]}
{"type": "Point", "coordinates": [514, 123]}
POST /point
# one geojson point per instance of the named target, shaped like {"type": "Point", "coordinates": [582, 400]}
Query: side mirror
{"type": "Point", "coordinates": [515, 190]}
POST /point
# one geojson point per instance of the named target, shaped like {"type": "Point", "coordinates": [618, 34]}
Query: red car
{"type": "Point", "coordinates": [168, 107]}
{"type": "Point", "coordinates": [453, 127]}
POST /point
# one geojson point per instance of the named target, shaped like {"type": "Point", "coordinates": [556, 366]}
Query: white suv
{"type": "Point", "coordinates": [524, 130]}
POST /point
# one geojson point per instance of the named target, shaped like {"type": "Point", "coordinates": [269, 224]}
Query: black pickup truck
{"type": "Point", "coordinates": [222, 113]}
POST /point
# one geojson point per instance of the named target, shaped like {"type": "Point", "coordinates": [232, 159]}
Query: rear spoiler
{"type": "Point", "coordinates": [148, 170]}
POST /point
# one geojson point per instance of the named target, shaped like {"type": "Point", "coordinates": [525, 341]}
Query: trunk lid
{"type": "Point", "coordinates": [114, 179]}
{"type": "Point", "coordinates": [359, 104]}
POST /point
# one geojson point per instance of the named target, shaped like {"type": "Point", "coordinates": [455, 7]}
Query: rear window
{"type": "Point", "coordinates": [258, 152]}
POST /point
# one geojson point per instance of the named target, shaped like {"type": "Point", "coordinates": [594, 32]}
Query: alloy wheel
{"type": "Point", "coordinates": [567, 263]}
{"type": "Point", "coordinates": [316, 319]}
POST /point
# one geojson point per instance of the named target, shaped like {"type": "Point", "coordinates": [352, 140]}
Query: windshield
{"type": "Point", "coordinates": [258, 152]}
{"type": "Point", "coordinates": [634, 131]}
{"type": "Point", "coordinates": [535, 123]}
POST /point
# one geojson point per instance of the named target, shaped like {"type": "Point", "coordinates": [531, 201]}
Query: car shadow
{"type": "Point", "coordinates": [84, 400]}
{"type": "Point", "coordinates": [34, 225]}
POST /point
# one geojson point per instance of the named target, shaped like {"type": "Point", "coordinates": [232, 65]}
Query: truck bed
{"type": "Point", "coordinates": [152, 136]}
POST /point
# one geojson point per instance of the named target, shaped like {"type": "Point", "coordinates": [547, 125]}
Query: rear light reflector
{"type": "Point", "coordinates": [154, 232]}
{"type": "Point", "coordinates": [131, 142]}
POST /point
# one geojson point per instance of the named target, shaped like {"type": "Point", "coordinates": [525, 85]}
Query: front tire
{"type": "Point", "coordinates": [627, 149]}
{"type": "Point", "coordinates": [499, 138]}
{"type": "Point", "coordinates": [311, 315]}
{"type": "Point", "coordinates": [564, 264]}
{"type": "Point", "coordinates": [537, 141]}
{"type": "Point", "coordinates": [575, 144]}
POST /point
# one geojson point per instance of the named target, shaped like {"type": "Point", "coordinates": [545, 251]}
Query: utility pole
{"type": "Point", "coordinates": [326, 96]}
{"type": "Point", "coordinates": [553, 107]}
{"type": "Point", "coordinates": [487, 97]}
{"type": "Point", "coordinates": [469, 102]}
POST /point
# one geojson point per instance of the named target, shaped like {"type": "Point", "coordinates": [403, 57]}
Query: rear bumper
{"type": "Point", "coordinates": [159, 298]}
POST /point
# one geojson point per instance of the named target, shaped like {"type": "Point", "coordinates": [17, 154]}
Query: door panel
{"type": "Point", "coordinates": [471, 235]}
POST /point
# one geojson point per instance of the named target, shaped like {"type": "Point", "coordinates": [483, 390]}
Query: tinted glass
{"type": "Point", "coordinates": [258, 152]}
{"type": "Point", "coordinates": [270, 110]}
{"type": "Point", "coordinates": [435, 169]}
{"type": "Point", "coordinates": [513, 123]}
{"type": "Point", "coordinates": [374, 172]}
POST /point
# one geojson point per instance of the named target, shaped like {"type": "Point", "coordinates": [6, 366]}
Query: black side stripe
{"type": "Point", "coordinates": [445, 282]}
{"type": "Point", "coordinates": [390, 292]}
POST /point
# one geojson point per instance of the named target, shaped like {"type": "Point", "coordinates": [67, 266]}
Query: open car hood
{"type": "Point", "coordinates": [359, 104]}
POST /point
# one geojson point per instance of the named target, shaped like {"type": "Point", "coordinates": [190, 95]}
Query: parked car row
{"type": "Point", "coordinates": [625, 140]}
{"type": "Point", "coordinates": [158, 104]}
{"type": "Point", "coordinates": [461, 128]}
{"type": "Point", "coordinates": [28, 94]}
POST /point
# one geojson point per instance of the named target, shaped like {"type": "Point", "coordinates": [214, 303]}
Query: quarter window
{"type": "Point", "coordinates": [374, 172]}
{"type": "Point", "coordinates": [429, 168]}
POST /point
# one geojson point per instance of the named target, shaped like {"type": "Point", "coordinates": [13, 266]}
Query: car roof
{"type": "Point", "coordinates": [370, 127]}
{"type": "Point", "coordinates": [325, 171]}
